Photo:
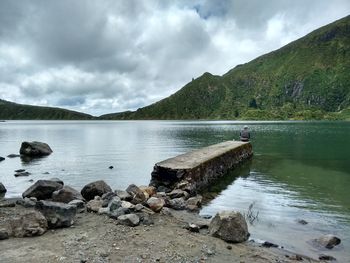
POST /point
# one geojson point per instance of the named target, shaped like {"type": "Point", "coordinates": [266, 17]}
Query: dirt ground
{"type": "Point", "coordinates": [97, 238]}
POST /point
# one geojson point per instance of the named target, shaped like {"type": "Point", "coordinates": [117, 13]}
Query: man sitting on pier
{"type": "Point", "coordinates": [244, 135]}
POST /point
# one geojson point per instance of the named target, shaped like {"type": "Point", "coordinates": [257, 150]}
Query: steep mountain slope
{"type": "Point", "coordinates": [14, 111]}
{"type": "Point", "coordinates": [306, 79]}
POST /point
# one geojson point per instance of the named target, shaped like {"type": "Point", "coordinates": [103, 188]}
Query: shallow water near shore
{"type": "Point", "coordinates": [300, 170]}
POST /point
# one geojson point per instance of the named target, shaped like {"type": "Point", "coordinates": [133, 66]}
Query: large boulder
{"type": "Point", "coordinates": [137, 194]}
{"type": "Point", "coordinates": [57, 214]}
{"type": "Point", "coordinates": [35, 149]}
{"type": "Point", "coordinates": [2, 189]}
{"type": "Point", "coordinates": [326, 241]}
{"type": "Point", "coordinates": [156, 204]}
{"type": "Point", "coordinates": [42, 189]}
{"type": "Point", "coordinates": [93, 189]}
{"type": "Point", "coordinates": [66, 194]}
{"type": "Point", "coordinates": [229, 226]}
{"type": "Point", "coordinates": [28, 224]}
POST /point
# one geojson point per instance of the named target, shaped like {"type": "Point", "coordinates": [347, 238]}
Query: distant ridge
{"type": "Point", "coordinates": [306, 79]}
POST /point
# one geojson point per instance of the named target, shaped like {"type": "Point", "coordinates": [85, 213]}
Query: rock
{"type": "Point", "coordinates": [177, 203]}
{"type": "Point", "coordinates": [66, 194]}
{"type": "Point", "coordinates": [146, 219]}
{"type": "Point", "coordinates": [2, 189]}
{"type": "Point", "coordinates": [123, 195]}
{"type": "Point", "coordinates": [8, 202]}
{"type": "Point", "coordinates": [128, 205]}
{"type": "Point", "coordinates": [129, 220]}
{"type": "Point", "coordinates": [326, 257]}
{"type": "Point", "coordinates": [103, 211]}
{"type": "Point", "coordinates": [22, 174]}
{"type": "Point", "coordinates": [2, 159]}
{"type": "Point", "coordinates": [57, 214]}
{"type": "Point", "coordinates": [42, 189]}
{"type": "Point", "coordinates": [118, 212]}
{"type": "Point", "coordinates": [193, 227]}
{"type": "Point", "coordinates": [229, 226]}
{"type": "Point", "coordinates": [12, 155]}
{"type": "Point", "coordinates": [57, 180]}
{"type": "Point", "coordinates": [148, 190]}
{"type": "Point", "coordinates": [35, 149]}
{"type": "Point", "coordinates": [302, 222]}
{"type": "Point", "coordinates": [28, 224]}
{"type": "Point", "coordinates": [177, 193]}
{"type": "Point", "coordinates": [139, 207]}
{"type": "Point", "coordinates": [20, 171]}
{"type": "Point", "coordinates": [79, 204]}
{"type": "Point", "coordinates": [114, 204]}
{"type": "Point", "coordinates": [94, 205]}
{"type": "Point", "coordinates": [194, 203]}
{"type": "Point", "coordinates": [4, 234]}
{"type": "Point", "coordinates": [156, 204]}
{"type": "Point", "coordinates": [164, 189]}
{"type": "Point", "coordinates": [107, 197]}
{"type": "Point", "coordinates": [97, 188]}
{"type": "Point", "coordinates": [136, 193]}
{"type": "Point", "coordinates": [327, 241]}
{"type": "Point", "coordinates": [269, 244]}
{"type": "Point", "coordinates": [111, 167]}
{"type": "Point", "coordinates": [26, 202]}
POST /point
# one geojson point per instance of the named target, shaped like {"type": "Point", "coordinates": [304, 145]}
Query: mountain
{"type": "Point", "coordinates": [14, 111]}
{"type": "Point", "coordinates": [306, 79]}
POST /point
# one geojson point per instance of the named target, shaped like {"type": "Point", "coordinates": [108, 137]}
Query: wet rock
{"type": "Point", "coordinates": [35, 149]}
{"type": "Point", "coordinates": [2, 189]}
{"type": "Point", "coordinates": [111, 167]}
{"type": "Point", "coordinates": [97, 188]}
{"type": "Point", "coordinates": [123, 195]}
{"type": "Point", "coordinates": [4, 234]}
{"type": "Point", "coordinates": [177, 203]}
{"type": "Point", "coordinates": [156, 204]}
{"type": "Point", "coordinates": [327, 241]}
{"type": "Point", "coordinates": [107, 197]}
{"type": "Point", "coordinates": [94, 205]}
{"type": "Point", "coordinates": [20, 171]}
{"type": "Point", "coordinates": [19, 174]}
{"type": "Point", "coordinates": [136, 193]}
{"type": "Point", "coordinates": [28, 224]}
{"type": "Point", "coordinates": [302, 222]}
{"type": "Point", "coordinates": [66, 194]}
{"type": "Point", "coordinates": [177, 193]}
{"type": "Point", "coordinates": [2, 159]}
{"type": "Point", "coordinates": [57, 180]}
{"type": "Point", "coordinates": [79, 204]}
{"type": "Point", "coordinates": [57, 214]}
{"type": "Point", "coordinates": [42, 189]}
{"type": "Point", "coordinates": [12, 155]}
{"type": "Point", "coordinates": [129, 220]}
{"type": "Point", "coordinates": [229, 226]}
{"type": "Point", "coordinates": [269, 244]}
{"type": "Point", "coordinates": [324, 257]}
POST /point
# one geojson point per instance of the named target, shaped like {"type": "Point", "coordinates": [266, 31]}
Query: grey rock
{"type": "Point", "coordinates": [156, 204]}
{"type": "Point", "coordinates": [118, 212]}
{"type": "Point", "coordinates": [326, 257]}
{"type": "Point", "coordinates": [163, 188]}
{"type": "Point", "coordinates": [11, 202]}
{"type": "Point", "coordinates": [229, 226]}
{"type": "Point", "coordinates": [66, 194]}
{"type": "Point", "coordinates": [138, 207]}
{"type": "Point", "coordinates": [146, 219]}
{"type": "Point", "coordinates": [327, 241]}
{"type": "Point", "coordinates": [137, 194]}
{"type": "Point", "coordinates": [79, 204]}
{"type": "Point", "coordinates": [2, 159]}
{"type": "Point", "coordinates": [194, 203]}
{"type": "Point", "coordinates": [57, 180]}
{"type": "Point", "coordinates": [26, 202]}
{"type": "Point", "coordinates": [114, 204]}
{"type": "Point", "coordinates": [128, 205]}
{"type": "Point", "coordinates": [302, 222]}
{"type": "Point", "coordinates": [35, 149]}
{"type": "Point", "coordinates": [12, 155]}
{"type": "Point", "coordinates": [123, 195]}
{"type": "Point", "coordinates": [129, 220]}
{"type": "Point", "coordinates": [177, 203]}
{"type": "Point", "coordinates": [57, 214]}
{"type": "Point", "coordinates": [42, 189]}
{"type": "Point", "coordinates": [2, 189]}
{"type": "Point", "coordinates": [94, 205]}
{"type": "Point", "coordinates": [103, 211]}
{"type": "Point", "coordinates": [97, 188]}
{"type": "Point", "coordinates": [4, 234]}
{"type": "Point", "coordinates": [177, 193]}
{"type": "Point", "coordinates": [19, 174]}
{"type": "Point", "coordinates": [28, 224]}
{"type": "Point", "coordinates": [107, 197]}
{"type": "Point", "coordinates": [20, 170]}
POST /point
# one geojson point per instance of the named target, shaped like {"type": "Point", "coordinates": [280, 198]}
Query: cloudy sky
{"type": "Point", "coordinates": [108, 56]}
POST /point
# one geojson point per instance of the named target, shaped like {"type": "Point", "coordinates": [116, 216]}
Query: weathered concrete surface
{"type": "Point", "coordinates": [195, 170]}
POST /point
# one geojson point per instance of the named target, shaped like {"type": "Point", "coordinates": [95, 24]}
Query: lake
{"type": "Point", "coordinates": [300, 170]}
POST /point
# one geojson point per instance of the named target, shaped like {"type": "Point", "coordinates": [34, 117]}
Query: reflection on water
{"type": "Point", "coordinates": [300, 170]}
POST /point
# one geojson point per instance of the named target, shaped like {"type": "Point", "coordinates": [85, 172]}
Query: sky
{"type": "Point", "coordinates": [104, 56]}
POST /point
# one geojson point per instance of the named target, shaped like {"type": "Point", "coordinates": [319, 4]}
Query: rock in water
{"type": "Point", "coordinates": [2, 159]}
{"type": "Point", "coordinates": [22, 174]}
{"type": "Point", "coordinates": [2, 189]}
{"type": "Point", "coordinates": [156, 204]}
{"type": "Point", "coordinates": [29, 224]}
{"type": "Point", "coordinates": [35, 149]}
{"type": "Point", "coordinates": [229, 226]}
{"type": "Point", "coordinates": [129, 220]}
{"type": "Point", "coordinates": [137, 194]}
{"type": "Point", "coordinates": [93, 189]}
{"type": "Point", "coordinates": [327, 241]}
{"type": "Point", "coordinates": [13, 155]}
{"type": "Point", "coordinates": [66, 194]}
{"type": "Point", "coordinates": [57, 214]}
{"type": "Point", "coordinates": [42, 189]}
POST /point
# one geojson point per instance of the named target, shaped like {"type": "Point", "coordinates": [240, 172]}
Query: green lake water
{"type": "Point", "coordinates": [300, 170]}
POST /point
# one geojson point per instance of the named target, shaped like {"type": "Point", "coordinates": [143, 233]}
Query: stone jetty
{"type": "Point", "coordinates": [195, 170]}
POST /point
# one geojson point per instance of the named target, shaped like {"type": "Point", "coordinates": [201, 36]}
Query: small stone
{"type": "Point", "coordinates": [4, 234]}
{"type": "Point", "coordinates": [2, 189]}
{"type": "Point", "coordinates": [138, 207]}
{"type": "Point", "coordinates": [22, 174]}
{"type": "Point", "coordinates": [177, 203]}
{"type": "Point", "coordinates": [123, 195]}
{"type": "Point", "coordinates": [111, 167]}
{"type": "Point", "coordinates": [12, 155]}
{"type": "Point", "coordinates": [302, 222]}
{"type": "Point", "coordinates": [326, 257]}
{"type": "Point", "coordinates": [20, 171]}
{"type": "Point", "coordinates": [128, 205]}
{"type": "Point", "coordinates": [129, 220]}
{"type": "Point", "coordinates": [177, 193]}
{"type": "Point", "coordinates": [156, 204]}
{"type": "Point", "coordinates": [115, 203]}
{"type": "Point", "coordinates": [2, 159]}
{"type": "Point", "coordinates": [269, 244]}
{"type": "Point", "coordinates": [229, 247]}
{"type": "Point", "coordinates": [94, 205]}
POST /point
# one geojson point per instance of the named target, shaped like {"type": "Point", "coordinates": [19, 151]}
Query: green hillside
{"type": "Point", "coordinates": [14, 111]}
{"type": "Point", "coordinates": [306, 79]}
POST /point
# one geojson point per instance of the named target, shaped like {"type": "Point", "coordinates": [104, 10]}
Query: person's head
{"type": "Point", "coordinates": [245, 127]}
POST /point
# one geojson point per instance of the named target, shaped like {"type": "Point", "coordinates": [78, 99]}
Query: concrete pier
{"type": "Point", "coordinates": [195, 170]}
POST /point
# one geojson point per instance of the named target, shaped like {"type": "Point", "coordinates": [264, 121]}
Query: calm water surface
{"type": "Point", "coordinates": [300, 170]}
